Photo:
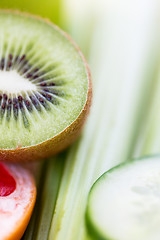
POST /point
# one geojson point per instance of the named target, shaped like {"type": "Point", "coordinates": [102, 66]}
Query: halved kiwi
{"type": "Point", "coordinates": [45, 88]}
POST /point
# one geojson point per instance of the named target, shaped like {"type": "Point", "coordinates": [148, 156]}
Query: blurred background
{"type": "Point", "coordinates": [120, 39]}
{"type": "Point", "coordinates": [71, 16]}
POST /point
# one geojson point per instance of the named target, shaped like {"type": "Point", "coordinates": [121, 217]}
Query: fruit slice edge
{"type": "Point", "coordinates": [16, 208]}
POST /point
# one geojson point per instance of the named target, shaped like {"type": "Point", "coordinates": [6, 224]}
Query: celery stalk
{"type": "Point", "coordinates": [48, 181]}
{"type": "Point", "coordinates": [77, 16]}
{"type": "Point", "coordinates": [148, 139]}
{"type": "Point", "coordinates": [123, 58]}
{"type": "Point", "coordinates": [38, 175]}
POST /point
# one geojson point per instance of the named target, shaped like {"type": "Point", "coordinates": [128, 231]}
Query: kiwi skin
{"type": "Point", "coordinates": [62, 140]}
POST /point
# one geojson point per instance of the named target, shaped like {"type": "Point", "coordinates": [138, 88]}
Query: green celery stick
{"type": "Point", "coordinates": [148, 139]}
{"type": "Point", "coordinates": [48, 185]}
{"type": "Point", "coordinates": [123, 58]}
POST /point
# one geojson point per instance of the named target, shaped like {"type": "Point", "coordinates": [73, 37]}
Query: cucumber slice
{"type": "Point", "coordinates": [124, 203]}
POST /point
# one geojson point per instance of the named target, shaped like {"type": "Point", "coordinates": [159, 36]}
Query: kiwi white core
{"type": "Point", "coordinates": [11, 82]}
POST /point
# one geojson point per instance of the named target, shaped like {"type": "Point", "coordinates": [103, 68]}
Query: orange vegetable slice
{"type": "Point", "coordinates": [17, 199]}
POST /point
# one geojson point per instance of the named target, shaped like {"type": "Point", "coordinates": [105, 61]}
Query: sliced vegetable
{"type": "Point", "coordinates": [124, 203]}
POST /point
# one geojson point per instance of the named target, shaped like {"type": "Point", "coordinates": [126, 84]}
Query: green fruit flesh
{"type": "Point", "coordinates": [43, 81]}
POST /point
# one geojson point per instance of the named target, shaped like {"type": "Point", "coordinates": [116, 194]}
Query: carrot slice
{"type": "Point", "coordinates": [17, 199]}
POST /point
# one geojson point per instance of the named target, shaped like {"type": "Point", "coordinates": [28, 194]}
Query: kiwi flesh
{"type": "Point", "coordinates": [45, 88]}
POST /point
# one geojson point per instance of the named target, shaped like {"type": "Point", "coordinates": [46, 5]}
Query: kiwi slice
{"type": "Point", "coordinates": [45, 88]}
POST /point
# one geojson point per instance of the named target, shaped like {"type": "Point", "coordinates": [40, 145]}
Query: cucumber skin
{"type": "Point", "coordinates": [95, 234]}
{"type": "Point", "coordinates": [92, 230]}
